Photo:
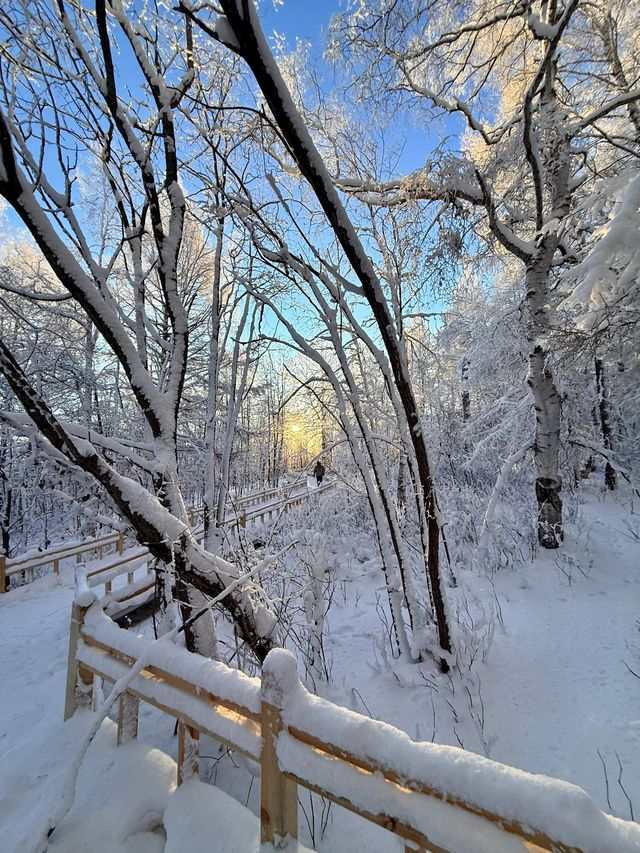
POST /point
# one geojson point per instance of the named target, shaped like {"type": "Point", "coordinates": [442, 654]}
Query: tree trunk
{"type": "Point", "coordinates": [212, 399]}
{"type": "Point", "coordinates": [466, 403]}
{"type": "Point", "coordinates": [548, 408]}
{"type": "Point", "coordinates": [401, 492]}
{"type": "Point", "coordinates": [256, 52]}
{"type": "Point", "coordinates": [546, 447]}
{"type": "Point", "coordinates": [605, 421]}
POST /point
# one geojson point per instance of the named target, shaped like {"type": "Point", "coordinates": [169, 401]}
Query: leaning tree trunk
{"type": "Point", "coordinates": [250, 43]}
{"type": "Point", "coordinates": [161, 526]}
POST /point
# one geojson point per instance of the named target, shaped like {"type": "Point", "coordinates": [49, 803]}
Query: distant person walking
{"type": "Point", "coordinates": [318, 471]}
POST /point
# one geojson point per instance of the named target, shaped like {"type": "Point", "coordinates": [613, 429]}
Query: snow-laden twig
{"type": "Point", "coordinates": [505, 470]}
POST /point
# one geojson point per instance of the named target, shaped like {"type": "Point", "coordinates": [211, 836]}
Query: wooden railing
{"type": "Point", "coordinates": [54, 556]}
{"type": "Point", "coordinates": [138, 591]}
{"type": "Point", "coordinates": [267, 513]}
{"type": "Point", "coordinates": [435, 798]}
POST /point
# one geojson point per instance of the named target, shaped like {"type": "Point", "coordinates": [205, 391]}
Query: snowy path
{"type": "Point", "coordinates": [564, 649]}
{"type": "Point", "coordinates": [553, 687]}
{"type": "Point", "coordinates": [553, 690]}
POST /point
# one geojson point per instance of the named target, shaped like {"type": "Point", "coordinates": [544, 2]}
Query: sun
{"type": "Point", "coordinates": [296, 428]}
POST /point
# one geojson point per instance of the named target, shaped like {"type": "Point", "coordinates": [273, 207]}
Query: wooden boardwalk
{"type": "Point", "coordinates": [126, 574]}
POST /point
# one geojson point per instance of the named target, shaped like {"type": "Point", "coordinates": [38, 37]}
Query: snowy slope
{"type": "Point", "coordinates": [554, 689]}
{"type": "Point", "coordinates": [552, 692]}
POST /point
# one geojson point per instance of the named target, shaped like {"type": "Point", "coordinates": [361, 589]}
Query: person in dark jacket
{"type": "Point", "coordinates": [318, 471]}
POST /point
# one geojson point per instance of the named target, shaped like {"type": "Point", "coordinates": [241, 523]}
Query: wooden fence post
{"type": "Point", "coordinates": [128, 707]}
{"type": "Point", "coordinates": [79, 691]}
{"type": "Point", "coordinates": [120, 543]}
{"type": "Point", "coordinates": [188, 752]}
{"type": "Point", "coordinates": [243, 520]}
{"type": "Point", "coordinates": [3, 574]}
{"type": "Point", "coordinates": [278, 794]}
{"type": "Point", "coordinates": [56, 567]}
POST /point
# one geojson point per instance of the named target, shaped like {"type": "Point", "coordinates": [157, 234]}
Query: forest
{"type": "Point", "coordinates": [326, 318]}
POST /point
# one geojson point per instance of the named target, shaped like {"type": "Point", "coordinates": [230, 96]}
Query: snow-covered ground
{"type": "Point", "coordinates": [554, 695]}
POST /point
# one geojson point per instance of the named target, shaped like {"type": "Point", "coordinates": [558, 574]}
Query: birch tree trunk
{"type": "Point", "coordinates": [551, 176]}
{"type": "Point", "coordinates": [236, 395]}
{"type": "Point", "coordinates": [464, 379]}
{"type": "Point", "coordinates": [605, 421]}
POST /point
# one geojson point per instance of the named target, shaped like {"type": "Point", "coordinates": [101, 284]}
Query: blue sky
{"type": "Point", "coordinates": [304, 19]}
{"type": "Point", "coordinates": [309, 21]}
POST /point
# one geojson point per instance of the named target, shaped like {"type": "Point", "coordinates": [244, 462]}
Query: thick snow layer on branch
{"type": "Point", "coordinates": [149, 507]}
{"type": "Point", "coordinates": [608, 275]}
{"type": "Point", "coordinates": [563, 811]}
{"type": "Point", "coordinates": [541, 29]}
{"type": "Point", "coordinates": [225, 34]}
{"type": "Point", "coordinates": [250, 595]}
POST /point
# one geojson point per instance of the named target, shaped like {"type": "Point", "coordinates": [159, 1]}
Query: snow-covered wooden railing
{"type": "Point", "coordinates": [268, 512]}
{"type": "Point", "coordinates": [54, 556]}
{"type": "Point", "coordinates": [436, 798]}
{"type": "Point", "coordinates": [247, 500]}
{"type": "Point", "coordinates": [137, 591]}
{"type": "Point", "coordinates": [10, 566]}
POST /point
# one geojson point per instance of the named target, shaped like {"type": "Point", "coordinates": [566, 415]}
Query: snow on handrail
{"type": "Point", "coordinates": [436, 797]}
{"type": "Point", "coordinates": [60, 552]}
{"type": "Point", "coordinates": [18, 565]}
{"type": "Point", "coordinates": [548, 813]}
{"type": "Point", "coordinates": [13, 565]}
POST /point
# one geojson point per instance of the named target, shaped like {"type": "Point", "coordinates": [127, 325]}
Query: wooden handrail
{"type": "Point", "coordinates": [140, 555]}
{"type": "Point", "coordinates": [9, 567]}
{"type": "Point", "coordinates": [538, 839]}
{"type": "Point", "coordinates": [174, 680]}
{"type": "Point", "coordinates": [59, 553]}
{"type": "Point", "coordinates": [200, 710]}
